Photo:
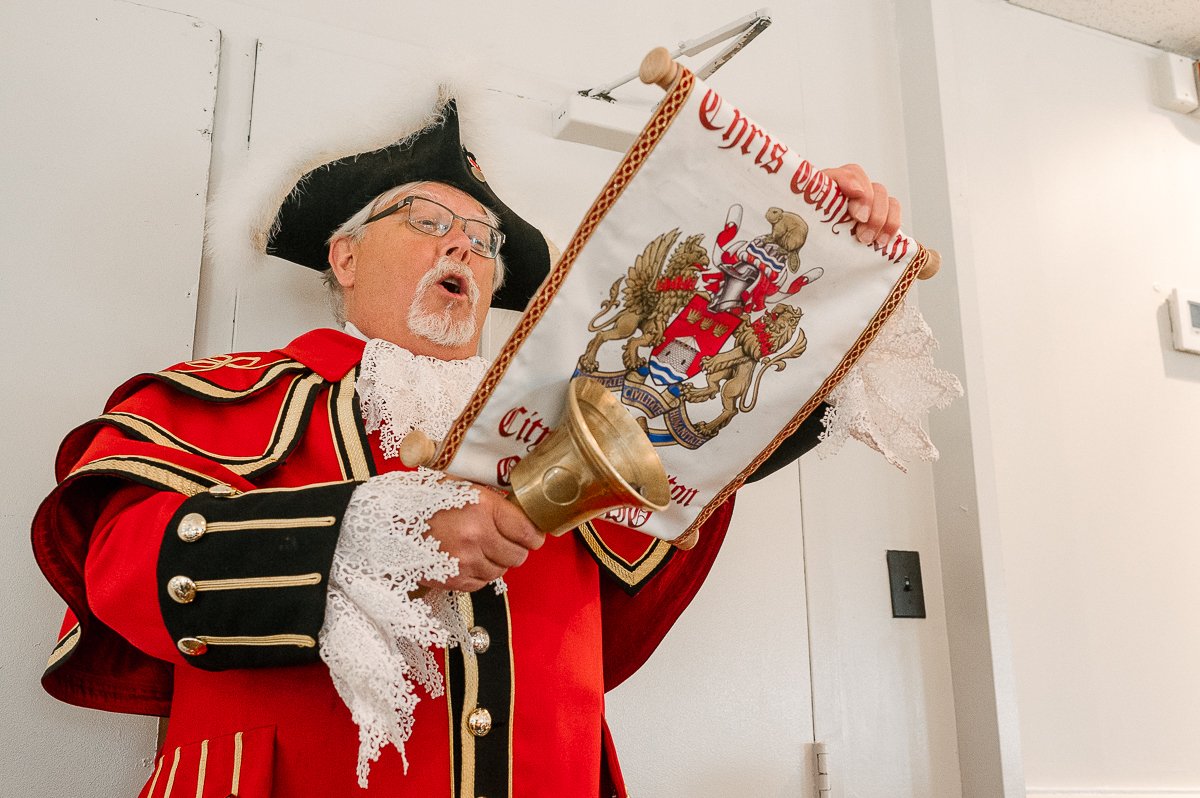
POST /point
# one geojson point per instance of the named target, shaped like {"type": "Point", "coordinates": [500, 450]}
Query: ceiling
{"type": "Point", "coordinates": [1171, 25]}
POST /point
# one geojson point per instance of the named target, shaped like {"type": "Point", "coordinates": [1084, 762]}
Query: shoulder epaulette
{"type": "Point", "coordinates": [221, 378]}
{"type": "Point", "coordinates": [276, 392]}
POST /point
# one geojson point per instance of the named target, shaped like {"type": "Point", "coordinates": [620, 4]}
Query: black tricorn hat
{"type": "Point", "coordinates": [330, 194]}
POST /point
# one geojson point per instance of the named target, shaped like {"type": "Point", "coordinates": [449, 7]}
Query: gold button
{"type": "Point", "coordinates": [222, 491]}
{"type": "Point", "coordinates": [192, 646]}
{"type": "Point", "coordinates": [191, 527]}
{"type": "Point", "coordinates": [479, 722]}
{"type": "Point", "coordinates": [480, 639]}
{"type": "Point", "coordinates": [181, 589]}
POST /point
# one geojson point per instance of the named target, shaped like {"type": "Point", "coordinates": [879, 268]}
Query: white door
{"type": "Point", "coordinates": [105, 113]}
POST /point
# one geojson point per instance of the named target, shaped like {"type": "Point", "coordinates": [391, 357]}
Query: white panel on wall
{"type": "Point", "coordinates": [107, 109]}
{"type": "Point", "coordinates": [882, 691]}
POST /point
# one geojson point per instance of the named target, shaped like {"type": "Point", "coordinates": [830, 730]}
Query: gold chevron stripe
{"type": "Point", "coordinates": [629, 573]}
{"type": "Point", "coordinates": [344, 424]}
{"type": "Point", "coordinates": [64, 646]}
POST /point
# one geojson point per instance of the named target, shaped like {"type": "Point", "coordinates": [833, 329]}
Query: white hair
{"type": "Point", "coordinates": [354, 229]}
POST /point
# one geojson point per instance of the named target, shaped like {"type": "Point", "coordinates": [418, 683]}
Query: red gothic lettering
{"type": "Point", "coordinates": [817, 190]}
{"type": "Point", "coordinates": [739, 124]}
{"type": "Point", "coordinates": [709, 107]}
{"type": "Point", "coordinates": [751, 131]}
{"type": "Point", "coordinates": [775, 161]}
{"type": "Point", "coordinates": [504, 470]}
{"type": "Point", "coordinates": [524, 426]}
{"type": "Point", "coordinates": [508, 420]}
{"type": "Point", "coordinates": [681, 494]}
{"type": "Point", "coordinates": [801, 178]}
{"type": "Point", "coordinates": [846, 219]}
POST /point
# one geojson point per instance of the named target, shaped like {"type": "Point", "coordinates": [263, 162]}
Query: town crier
{"type": "Point", "coordinates": [241, 549]}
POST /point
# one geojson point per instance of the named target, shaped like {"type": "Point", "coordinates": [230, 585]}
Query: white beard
{"type": "Point", "coordinates": [440, 327]}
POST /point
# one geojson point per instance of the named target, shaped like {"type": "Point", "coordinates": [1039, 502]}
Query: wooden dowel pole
{"type": "Point", "coordinates": [931, 266]}
{"type": "Point", "coordinates": [417, 449]}
{"type": "Point", "coordinates": [659, 68]}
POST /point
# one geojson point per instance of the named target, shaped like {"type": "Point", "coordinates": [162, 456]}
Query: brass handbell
{"type": "Point", "coordinates": [598, 458]}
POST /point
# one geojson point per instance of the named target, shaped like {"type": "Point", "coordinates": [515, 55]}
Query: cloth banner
{"type": "Point", "coordinates": [715, 287]}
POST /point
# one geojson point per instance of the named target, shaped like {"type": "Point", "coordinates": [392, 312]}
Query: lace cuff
{"type": "Point", "coordinates": [885, 397]}
{"type": "Point", "coordinates": [377, 638]}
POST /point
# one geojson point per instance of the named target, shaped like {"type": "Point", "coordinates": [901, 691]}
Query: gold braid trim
{"type": "Point", "coordinates": [630, 573]}
{"type": "Point", "coordinates": [64, 646]}
{"type": "Point", "coordinates": [189, 382]}
{"type": "Point", "coordinates": [156, 472]}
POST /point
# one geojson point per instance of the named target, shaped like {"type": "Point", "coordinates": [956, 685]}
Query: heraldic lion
{"type": "Point", "coordinates": [730, 373]}
{"type": "Point", "coordinates": [653, 294]}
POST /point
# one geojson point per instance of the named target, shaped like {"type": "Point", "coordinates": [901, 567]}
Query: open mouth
{"type": "Point", "coordinates": [454, 284]}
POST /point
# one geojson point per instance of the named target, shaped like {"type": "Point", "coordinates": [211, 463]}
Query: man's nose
{"type": "Point", "coordinates": [455, 244]}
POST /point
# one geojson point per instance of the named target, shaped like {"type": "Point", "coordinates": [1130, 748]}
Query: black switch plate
{"type": "Point", "coordinates": [904, 572]}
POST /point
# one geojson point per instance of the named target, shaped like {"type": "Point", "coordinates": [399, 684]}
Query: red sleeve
{"type": "Point", "coordinates": [635, 625]}
{"type": "Point", "coordinates": [121, 565]}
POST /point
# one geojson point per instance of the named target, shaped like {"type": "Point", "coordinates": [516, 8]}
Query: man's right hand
{"type": "Point", "coordinates": [488, 538]}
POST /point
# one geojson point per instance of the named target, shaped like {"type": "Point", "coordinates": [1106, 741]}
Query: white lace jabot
{"type": "Point", "coordinates": [400, 392]}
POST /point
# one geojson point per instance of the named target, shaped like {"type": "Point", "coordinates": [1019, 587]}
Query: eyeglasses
{"type": "Point", "coordinates": [434, 219]}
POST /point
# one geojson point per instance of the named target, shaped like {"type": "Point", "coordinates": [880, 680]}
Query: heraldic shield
{"type": "Point", "coordinates": [714, 287]}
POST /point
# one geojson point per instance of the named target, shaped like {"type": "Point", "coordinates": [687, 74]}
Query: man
{"type": "Point", "coordinates": [241, 549]}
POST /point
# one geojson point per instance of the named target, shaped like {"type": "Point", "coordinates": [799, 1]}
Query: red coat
{"type": "Point", "coordinates": [580, 615]}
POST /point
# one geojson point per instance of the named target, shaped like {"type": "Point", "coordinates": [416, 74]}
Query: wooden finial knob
{"type": "Point", "coordinates": [659, 68]}
{"type": "Point", "coordinates": [932, 264]}
{"type": "Point", "coordinates": [416, 449]}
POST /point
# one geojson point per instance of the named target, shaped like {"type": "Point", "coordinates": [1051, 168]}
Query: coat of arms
{"type": "Point", "coordinates": [697, 328]}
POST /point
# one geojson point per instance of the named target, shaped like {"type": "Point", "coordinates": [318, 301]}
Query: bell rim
{"type": "Point", "coordinates": [592, 447]}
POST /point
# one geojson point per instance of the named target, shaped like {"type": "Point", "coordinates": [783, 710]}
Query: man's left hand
{"type": "Point", "coordinates": [877, 212]}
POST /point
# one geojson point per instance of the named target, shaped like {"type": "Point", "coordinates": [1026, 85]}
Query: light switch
{"type": "Point", "coordinates": [908, 594]}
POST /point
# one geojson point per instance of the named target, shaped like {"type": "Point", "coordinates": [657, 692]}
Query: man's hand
{"type": "Point", "coordinates": [487, 538]}
{"type": "Point", "coordinates": [878, 214]}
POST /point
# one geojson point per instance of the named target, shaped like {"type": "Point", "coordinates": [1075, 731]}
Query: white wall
{"type": "Point", "coordinates": [1075, 212]}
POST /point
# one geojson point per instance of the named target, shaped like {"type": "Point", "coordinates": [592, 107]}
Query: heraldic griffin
{"type": "Point", "coordinates": [653, 295]}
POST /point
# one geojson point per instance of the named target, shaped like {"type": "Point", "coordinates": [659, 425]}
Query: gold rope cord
{"type": "Point", "coordinates": [629, 166]}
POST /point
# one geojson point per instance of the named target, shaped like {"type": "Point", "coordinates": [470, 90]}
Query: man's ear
{"type": "Point", "coordinates": [341, 260]}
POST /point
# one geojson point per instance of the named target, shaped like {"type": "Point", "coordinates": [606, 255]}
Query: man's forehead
{"type": "Point", "coordinates": [440, 192]}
